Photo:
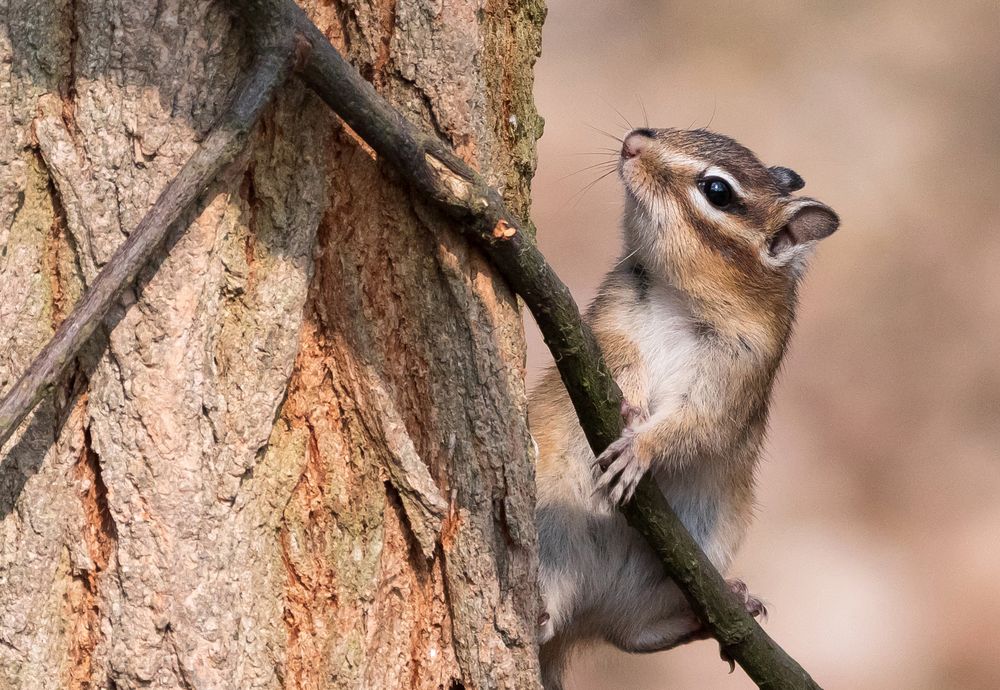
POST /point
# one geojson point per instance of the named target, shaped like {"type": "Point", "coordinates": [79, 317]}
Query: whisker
{"type": "Point", "coordinates": [607, 134]}
{"type": "Point", "coordinates": [623, 118]}
{"type": "Point", "coordinates": [599, 152]}
{"type": "Point", "coordinates": [609, 172]}
{"type": "Point", "coordinates": [579, 195]}
{"type": "Point", "coordinates": [715, 104]}
{"type": "Point", "coordinates": [602, 165]}
{"type": "Point", "coordinates": [631, 254]}
{"type": "Point", "coordinates": [645, 115]}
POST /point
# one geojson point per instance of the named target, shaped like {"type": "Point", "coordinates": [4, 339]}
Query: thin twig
{"type": "Point", "coordinates": [436, 173]}
{"type": "Point", "coordinates": [219, 149]}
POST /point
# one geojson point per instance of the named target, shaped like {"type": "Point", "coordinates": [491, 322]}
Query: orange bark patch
{"type": "Point", "coordinates": [82, 601]}
{"type": "Point", "coordinates": [387, 26]}
{"type": "Point", "coordinates": [310, 589]}
{"type": "Point", "coordinates": [504, 230]}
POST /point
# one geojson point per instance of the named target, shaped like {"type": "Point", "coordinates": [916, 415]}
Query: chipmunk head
{"type": "Point", "coordinates": [703, 210]}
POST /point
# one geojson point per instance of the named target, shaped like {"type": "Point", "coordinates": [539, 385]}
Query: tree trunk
{"type": "Point", "coordinates": [297, 455]}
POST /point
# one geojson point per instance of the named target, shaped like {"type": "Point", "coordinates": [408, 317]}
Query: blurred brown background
{"type": "Point", "coordinates": [877, 543]}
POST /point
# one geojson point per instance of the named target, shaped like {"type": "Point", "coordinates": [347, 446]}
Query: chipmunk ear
{"type": "Point", "coordinates": [787, 179]}
{"type": "Point", "coordinates": [810, 220]}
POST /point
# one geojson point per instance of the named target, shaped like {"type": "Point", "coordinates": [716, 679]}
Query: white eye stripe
{"type": "Point", "coordinates": [694, 164]}
{"type": "Point", "coordinates": [716, 171]}
{"type": "Point", "coordinates": [701, 203]}
{"type": "Point", "coordinates": [679, 159]}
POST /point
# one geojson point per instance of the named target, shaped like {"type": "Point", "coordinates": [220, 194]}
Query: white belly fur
{"type": "Point", "coordinates": [664, 332]}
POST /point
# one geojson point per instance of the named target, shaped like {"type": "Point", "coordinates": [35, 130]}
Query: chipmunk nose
{"type": "Point", "coordinates": [637, 141]}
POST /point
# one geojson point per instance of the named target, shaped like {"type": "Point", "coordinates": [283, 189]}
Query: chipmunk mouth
{"type": "Point", "coordinates": [632, 176]}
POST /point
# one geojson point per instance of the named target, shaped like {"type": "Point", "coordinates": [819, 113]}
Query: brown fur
{"type": "Point", "coordinates": [693, 323]}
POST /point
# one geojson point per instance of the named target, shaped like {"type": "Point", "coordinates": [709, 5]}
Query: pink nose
{"type": "Point", "coordinates": [637, 141]}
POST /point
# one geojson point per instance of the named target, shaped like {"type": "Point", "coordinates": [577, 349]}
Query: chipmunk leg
{"type": "Point", "coordinates": [676, 627]}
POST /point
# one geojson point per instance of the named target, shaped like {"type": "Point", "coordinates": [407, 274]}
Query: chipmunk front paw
{"type": "Point", "coordinates": [622, 466]}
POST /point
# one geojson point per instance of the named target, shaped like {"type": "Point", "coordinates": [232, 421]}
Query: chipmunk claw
{"type": "Point", "coordinates": [728, 659]}
{"type": "Point", "coordinates": [754, 606]}
{"type": "Point", "coordinates": [619, 446]}
{"type": "Point", "coordinates": [633, 414]}
{"type": "Point", "coordinates": [619, 467]}
{"type": "Point", "coordinates": [622, 469]}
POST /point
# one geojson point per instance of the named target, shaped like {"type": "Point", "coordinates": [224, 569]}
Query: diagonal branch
{"type": "Point", "coordinates": [220, 148]}
{"type": "Point", "coordinates": [438, 174]}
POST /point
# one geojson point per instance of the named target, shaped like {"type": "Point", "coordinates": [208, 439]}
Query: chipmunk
{"type": "Point", "coordinates": [693, 322]}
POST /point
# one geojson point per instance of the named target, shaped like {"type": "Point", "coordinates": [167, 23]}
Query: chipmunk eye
{"type": "Point", "coordinates": [717, 191]}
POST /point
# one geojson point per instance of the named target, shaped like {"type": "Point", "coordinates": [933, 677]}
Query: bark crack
{"type": "Point", "coordinates": [84, 599]}
{"type": "Point", "coordinates": [181, 672]}
{"type": "Point", "coordinates": [61, 303]}
{"type": "Point", "coordinates": [67, 88]}
{"type": "Point", "coordinates": [248, 191]}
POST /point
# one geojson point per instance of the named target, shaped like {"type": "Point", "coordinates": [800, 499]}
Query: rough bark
{"type": "Point", "coordinates": [296, 456]}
